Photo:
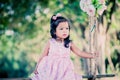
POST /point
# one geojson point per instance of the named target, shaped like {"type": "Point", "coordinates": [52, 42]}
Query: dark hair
{"type": "Point", "coordinates": [53, 25]}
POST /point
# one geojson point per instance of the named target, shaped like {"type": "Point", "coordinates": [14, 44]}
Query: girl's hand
{"type": "Point", "coordinates": [36, 72]}
{"type": "Point", "coordinates": [95, 54]}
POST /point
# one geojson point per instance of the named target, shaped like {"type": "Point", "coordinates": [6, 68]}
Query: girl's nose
{"type": "Point", "coordinates": [64, 30]}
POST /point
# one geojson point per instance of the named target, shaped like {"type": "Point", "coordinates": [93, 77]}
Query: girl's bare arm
{"type": "Point", "coordinates": [80, 53]}
{"type": "Point", "coordinates": [44, 53]}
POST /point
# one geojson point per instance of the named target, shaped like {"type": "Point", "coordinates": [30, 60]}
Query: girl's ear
{"type": "Point", "coordinates": [54, 33]}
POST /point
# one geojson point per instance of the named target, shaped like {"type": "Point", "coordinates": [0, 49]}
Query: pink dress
{"type": "Point", "coordinates": [57, 65]}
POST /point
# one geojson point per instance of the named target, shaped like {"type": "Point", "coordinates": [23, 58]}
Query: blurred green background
{"type": "Point", "coordinates": [24, 30]}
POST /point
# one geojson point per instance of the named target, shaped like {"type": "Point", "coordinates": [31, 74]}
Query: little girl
{"type": "Point", "coordinates": [55, 63]}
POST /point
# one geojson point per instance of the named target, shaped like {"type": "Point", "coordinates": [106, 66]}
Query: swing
{"type": "Point", "coordinates": [93, 23]}
{"type": "Point", "coordinates": [93, 8]}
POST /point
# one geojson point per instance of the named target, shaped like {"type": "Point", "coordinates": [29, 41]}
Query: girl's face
{"type": "Point", "coordinates": [62, 30]}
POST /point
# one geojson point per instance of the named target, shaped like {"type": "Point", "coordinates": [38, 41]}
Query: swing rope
{"type": "Point", "coordinates": [92, 45]}
{"type": "Point", "coordinates": [93, 23]}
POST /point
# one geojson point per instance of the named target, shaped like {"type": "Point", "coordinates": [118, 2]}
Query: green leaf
{"type": "Point", "coordinates": [99, 6]}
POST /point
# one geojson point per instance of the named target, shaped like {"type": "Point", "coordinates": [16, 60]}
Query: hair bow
{"type": "Point", "coordinates": [57, 15]}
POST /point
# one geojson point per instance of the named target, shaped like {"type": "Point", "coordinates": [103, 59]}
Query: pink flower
{"type": "Point", "coordinates": [101, 10]}
{"type": "Point", "coordinates": [91, 10]}
{"type": "Point", "coordinates": [102, 1]}
{"type": "Point", "coordinates": [90, 6]}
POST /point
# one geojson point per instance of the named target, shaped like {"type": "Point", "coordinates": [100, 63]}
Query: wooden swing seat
{"type": "Point", "coordinates": [99, 76]}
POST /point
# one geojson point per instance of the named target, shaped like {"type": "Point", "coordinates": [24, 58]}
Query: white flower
{"type": "Point", "coordinates": [84, 4]}
{"type": "Point", "coordinates": [88, 2]}
{"type": "Point", "coordinates": [9, 32]}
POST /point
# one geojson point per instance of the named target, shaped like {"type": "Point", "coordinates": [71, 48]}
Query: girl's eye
{"type": "Point", "coordinates": [61, 28]}
{"type": "Point", "coordinates": [64, 28]}
{"type": "Point", "coordinates": [67, 28]}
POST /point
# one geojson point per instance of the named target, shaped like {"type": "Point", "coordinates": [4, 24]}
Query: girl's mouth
{"type": "Point", "coordinates": [64, 34]}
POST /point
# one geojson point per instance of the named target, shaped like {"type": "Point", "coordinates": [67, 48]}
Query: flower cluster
{"type": "Point", "coordinates": [93, 7]}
